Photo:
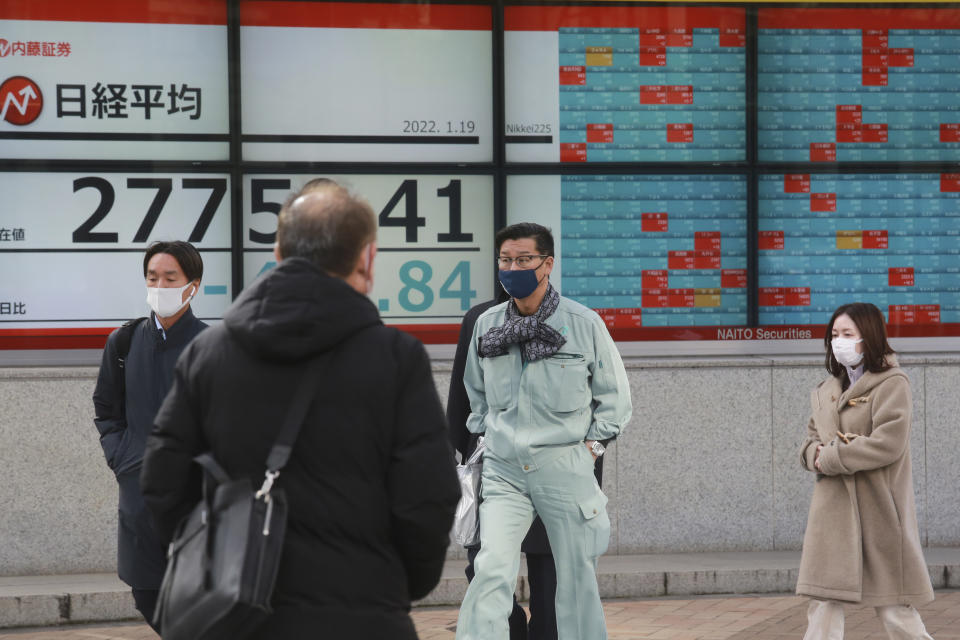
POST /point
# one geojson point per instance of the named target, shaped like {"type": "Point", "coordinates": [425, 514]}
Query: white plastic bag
{"type": "Point", "coordinates": [466, 522]}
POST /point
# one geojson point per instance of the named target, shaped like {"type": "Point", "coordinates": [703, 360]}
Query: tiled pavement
{"type": "Point", "coordinates": [695, 618]}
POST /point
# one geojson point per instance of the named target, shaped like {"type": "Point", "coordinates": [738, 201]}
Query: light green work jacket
{"type": "Point", "coordinates": [532, 411]}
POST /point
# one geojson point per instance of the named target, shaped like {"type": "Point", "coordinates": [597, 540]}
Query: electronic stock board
{"type": "Point", "coordinates": [662, 254]}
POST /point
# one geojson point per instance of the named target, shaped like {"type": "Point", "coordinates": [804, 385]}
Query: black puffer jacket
{"type": "Point", "coordinates": [371, 482]}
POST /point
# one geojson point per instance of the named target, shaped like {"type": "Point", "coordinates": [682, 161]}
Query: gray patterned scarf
{"type": "Point", "coordinates": [536, 338]}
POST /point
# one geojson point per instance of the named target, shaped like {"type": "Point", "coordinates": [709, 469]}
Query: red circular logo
{"type": "Point", "coordinates": [21, 100]}
{"type": "Point", "coordinates": [4, 48]}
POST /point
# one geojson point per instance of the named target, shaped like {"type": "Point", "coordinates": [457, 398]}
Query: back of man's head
{"type": "Point", "coordinates": [327, 225]}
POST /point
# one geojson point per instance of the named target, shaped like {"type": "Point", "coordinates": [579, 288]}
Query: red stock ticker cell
{"type": "Point", "coordinates": [653, 94]}
{"type": "Point", "coordinates": [653, 56]}
{"type": "Point", "coordinates": [823, 152]}
{"type": "Point", "coordinates": [770, 240]}
{"type": "Point", "coordinates": [680, 94]}
{"type": "Point", "coordinates": [680, 132]}
{"type": "Point", "coordinates": [849, 133]}
{"type": "Point", "coordinates": [875, 57]}
{"type": "Point", "coordinates": [681, 260]}
{"type": "Point", "coordinates": [654, 279]}
{"type": "Point", "coordinates": [950, 132]}
{"type": "Point", "coordinates": [654, 222]}
{"type": "Point", "coordinates": [666, 94]}
{"type": "Point", "coordinates": [823, 202]}
{"type": "Point", "coordinates": [572, 76]}
{"type": "Point", "coordinates": [874, 39]}
{"type": "Point", "coordinates": [600, 132]}
{"type": "Point", "coordinates": [875, 76]}
{"type": "Point", "coordinates": [849, 114]}
{"type": "Point", "coordinates": [950, 182]}
{"type": "Point", "coordinates": [900, 277]}
{"type": "Point", "coordinates": [785, 296]}
{"type": "Point", "coordinates": [706, 260]}
{"type": "Point", "coordinates": [573, 152]}
{"type": "Point", "coordinates": [707, 240]}
{"type": "Point", "coordinates": [901, 57]}
{"type": "Point", "coordinates": [874, 132]}
{"type": "Point", "coordinates": [621, 318]}
{"type": "Point", "coordinates": [913, 314]}
{"type": "Point", "coordinates": [732, 37]}
{"type": "Point", "coordinates": [876, 239]}
{"type": "Point", "coordinates": [796, 183]}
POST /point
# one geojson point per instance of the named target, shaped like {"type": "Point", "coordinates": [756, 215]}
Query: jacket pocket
{"type": "Point", "coordinates": [498, 383]}
{"type": "Point", "coordinates": [566, 382]}
{"type": "Point", "coordinates": [596, 524]}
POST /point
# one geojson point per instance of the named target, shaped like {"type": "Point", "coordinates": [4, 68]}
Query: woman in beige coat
{"type": "Point", "coordinates": [862, 543]}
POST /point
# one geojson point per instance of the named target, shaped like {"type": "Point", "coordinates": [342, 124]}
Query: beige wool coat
{"type": "Point", "coordinates": [862, 543]}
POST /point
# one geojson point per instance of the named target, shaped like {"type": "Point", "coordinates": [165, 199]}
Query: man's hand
{"type": "Point", "coordinates": [816, 458]}
{"type": "Point", "coordinates": [589, 445]}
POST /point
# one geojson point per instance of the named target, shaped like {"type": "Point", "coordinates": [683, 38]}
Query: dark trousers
{"type": "Point", "coordinates": [542, 576]}
{"type": "Point", "coordinates": [145, 600]}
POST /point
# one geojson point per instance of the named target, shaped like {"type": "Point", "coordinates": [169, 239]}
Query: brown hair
{"type": "Point", "coordinates": [873, 330]}
{"type": "Point", "coordinates": [327, 225]}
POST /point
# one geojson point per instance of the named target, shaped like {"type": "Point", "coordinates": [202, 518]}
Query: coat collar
{"type": "Point", "coordinates": [833, 395]}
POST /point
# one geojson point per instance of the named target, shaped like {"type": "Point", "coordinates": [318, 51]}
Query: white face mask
{"type": "Point", "coordinates": [166, 302]}
{"type": "Point", "coordinates": [845, 351]}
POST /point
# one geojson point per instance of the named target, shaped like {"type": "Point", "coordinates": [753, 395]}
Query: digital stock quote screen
{"type": "Point", "coordinates": [892, 240]}
{"type": "Point", "coordinates": [858, 85]}
{"type": "Point", "coordinates": [625, 84]}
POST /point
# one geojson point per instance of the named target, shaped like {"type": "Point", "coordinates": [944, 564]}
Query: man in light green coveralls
{"type": "Point", "coordinates": [545, 383]}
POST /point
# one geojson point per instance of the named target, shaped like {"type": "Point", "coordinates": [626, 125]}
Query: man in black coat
{"type": "Point", "coordinates": [370, 483]}
{"type": "Point", "coordinates": [135, 375]}
{"type": "Point", "coordinates": [541, 571]}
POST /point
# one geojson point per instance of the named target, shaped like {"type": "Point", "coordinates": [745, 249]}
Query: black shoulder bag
{"type": "Point", "coordinates": [223, 561]}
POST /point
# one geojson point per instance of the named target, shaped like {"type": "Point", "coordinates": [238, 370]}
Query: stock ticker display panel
{"type": "Point", "coordinates": [892, 240]}
{"type": "Point", "coordinates": [625, 84]}
{"type": "Point", "coordinates": [850, 85]}
{"type": "Point", "coordinates": [656, 251]}
{"type": "Point", "coordinates": [660, 256]}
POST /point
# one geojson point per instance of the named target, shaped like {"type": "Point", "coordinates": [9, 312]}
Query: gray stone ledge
{"type": "Point", "coordinates": [48, 373]}
{"type": "Point", "coordinates": [55, 600]}
{"type": "Point", "coordinates": [444, 365]}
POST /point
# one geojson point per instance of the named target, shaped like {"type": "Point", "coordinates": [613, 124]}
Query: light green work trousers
{"type": "Point", "coordinates": [564, 492]}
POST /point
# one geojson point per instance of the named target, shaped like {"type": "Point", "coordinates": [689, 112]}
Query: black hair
{"type": "Point", "coordinates": [184, 253]}
{"type": "Point", "coordinates": [873, 330]}
{"type": "Point", "coordinates": [541, 236]}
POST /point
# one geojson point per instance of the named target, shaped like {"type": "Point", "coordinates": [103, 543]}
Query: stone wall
{"type": "Point", "coordinates": [708, 462]}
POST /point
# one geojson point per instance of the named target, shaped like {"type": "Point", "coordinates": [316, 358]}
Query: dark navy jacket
{"type": "Point", "coordinates": [148, 375]}
{"type": "Point", "coordinates": [371, 483]}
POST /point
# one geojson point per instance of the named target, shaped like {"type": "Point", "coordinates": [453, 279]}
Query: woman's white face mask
{"type": "Point", "coordinates": [845, 351]}
{"type": "Point", "coordinates": [166, 302]}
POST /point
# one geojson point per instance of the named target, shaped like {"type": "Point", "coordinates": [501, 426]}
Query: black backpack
{"type": "Point", "coordinates": [124, 338]}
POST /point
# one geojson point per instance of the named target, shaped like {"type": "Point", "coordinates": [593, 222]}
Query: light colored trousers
{"type": "Point", "coordinates": [565, 494]}
{"type": "Point", "coordinates": [901, 622]}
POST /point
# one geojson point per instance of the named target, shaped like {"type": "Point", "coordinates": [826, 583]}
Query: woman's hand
{"type": "Point", "coordinates": [816, 458]}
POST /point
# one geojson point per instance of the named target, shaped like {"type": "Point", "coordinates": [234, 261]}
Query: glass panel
{"type": "Point", "coordinates": [851, 85]}
{"type": "Point", "coordinates": [649, 253]}
{"type": "Point", "coordinates": [891, 240]}
{"type": "Point", "coordinates": [366, 82]}
{"type": "Point", "coordinates": [625, 84]}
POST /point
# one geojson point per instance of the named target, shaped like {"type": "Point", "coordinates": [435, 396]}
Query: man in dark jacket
{"type": "Point", "coordinates": [370, 483]}
{"type": "Point", "coordinates": [135, 375]}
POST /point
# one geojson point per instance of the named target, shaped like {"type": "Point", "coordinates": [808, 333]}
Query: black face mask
{"type": "Point", "coordinates": [519, 283]}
